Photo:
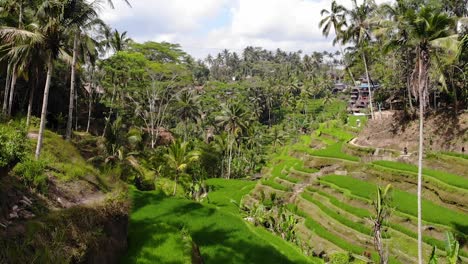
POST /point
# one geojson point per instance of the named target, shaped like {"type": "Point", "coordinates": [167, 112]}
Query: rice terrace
{"type": "Point", "coordinates": [279, 131]}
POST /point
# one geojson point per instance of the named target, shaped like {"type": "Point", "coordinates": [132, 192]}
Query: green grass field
{"type": "Point", "coordinates": [324, 233]}
{"type": "Point", "coordinates": [335, 151]}
{"type": "Point", "coordinates": [404, 202]}
{"type": "Point", "coordinates": [364, 213]}
{"type": "Point", "coordinates": [445, 177]}
{"type": "Point", "coordinates": [157, 225]}
{"type": "Point", "coordinates": [337, 216]}
{"type": "Point", "coordinates": [455, 154]}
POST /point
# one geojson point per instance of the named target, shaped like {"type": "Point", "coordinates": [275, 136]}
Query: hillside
{"type": "Point", "coordinates": [443, 132]}
{"type": "Point", "coordinates": [59, 209]}
{"type": "Point", "coordinates": [330, 185]}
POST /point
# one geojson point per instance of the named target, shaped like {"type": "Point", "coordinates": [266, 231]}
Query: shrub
{"type": "Point", "coordinates": [31, 173]}
{"type": "Point", "coordinates": [12, 144]}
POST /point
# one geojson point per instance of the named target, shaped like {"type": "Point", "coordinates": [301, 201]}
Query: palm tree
{"type": "Point", "coordinates": [425, 27]}
{"type": "Point", "coordinates": [335, 17]}
{"type": "Point", "coordinates": [187, 108]}
{"type": "Point", "coordinates": [232, 119]}
{"type": "Point", "coordinates": [12, 70]}
{"type": "Point", "coordinates": [87, 13]}
{"type": "Point", "coordinates": [358, 32]}
{"type": "Point", "coordinates": [117, 41]}
{"type": "Point", "coordinates": [178, 158]}
{"type": "Point", "coordinates": [395, 30]}
{"type": "Point", "coordinates": [49, 39]}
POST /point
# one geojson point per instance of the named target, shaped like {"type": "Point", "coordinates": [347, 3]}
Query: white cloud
{"type": "Point", "coordinates": [287, 24]}
{"type": "Point", "coordinates": [173, 15]}
{"type": "Point", "coordinates": [278, 19]}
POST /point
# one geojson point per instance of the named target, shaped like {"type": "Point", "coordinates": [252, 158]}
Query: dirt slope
{"type": "Point", "coordinates": [442, 132]}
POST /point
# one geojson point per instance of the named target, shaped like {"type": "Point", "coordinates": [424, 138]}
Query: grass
{"type": "Point", "coordinates": [215, 226]}
{"type": "Point", "coordinates": [227, 194]}
{"type": "Point", "coordinates": [445, 177]}
{"type": "Point", "coordinates": [340, 242]}
{"type": "Point", "coordinates": [455, 154]}
{"type": "Point", "coordinates": [335, 131]}
{"type": "Point", "coordinates": [63, 158]}
{"type": "Point", "coordinates": [364, 213]}
{"type": "Point", "coordinates": [352, 120]}
{"type": "Point", "coordinates": [275, 185]}
{"type": "Point", "coordinates": [360, 212]}
{"type": "Point", "coordinates": [335, 151]}
{"type": "Point", "coordinates": [340, 218]}
{"type": "Point", "coordinates": [404, 202]}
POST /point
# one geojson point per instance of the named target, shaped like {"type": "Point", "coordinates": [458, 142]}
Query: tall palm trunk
{"type": "Point", "coordinates": [45, 100]}
{"type": "Point", "coordinates": [175, 183]}
{"type": "Point", "coordinates": [231, 143]}
{"type": "Point", "coordinates": [31, 100]}
{"type": "Point", "coordinates": [349, 70]}
{"type": "Point", "coordinates": [408, 83]}
{"type": "Point", "coordinates": [423, 65]}
{"type": "Point", "coordinates": [90, 105]}
{"type": "Point", "coordinates": [368, 84]}
{"type": "Point", "coordinates": [421, 141]}
{"type": "Point", "coordinates": [111, 111]}
{"type": "Point", "coordinates": [12, 90]}
{"type": "Point", "coordinates": [72, 87]}
{"type": "Point", "coordinates": [7, 89]}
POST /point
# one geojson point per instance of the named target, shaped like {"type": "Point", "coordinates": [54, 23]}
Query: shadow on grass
{"type": "Point", "coordinates": [462, 235]}
{"type": "Point", "coordinates": [146, 243]}
{"type": "Point", "coordinates": [231, 247]}
{"type": "Point", "coordinates": [155, 234]}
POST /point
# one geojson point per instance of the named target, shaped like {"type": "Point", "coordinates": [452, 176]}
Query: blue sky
{"type": "Point", "coordinates": [207, 26]}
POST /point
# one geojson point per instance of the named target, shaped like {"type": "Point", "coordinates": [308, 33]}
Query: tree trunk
{"type": "Point", "coordinates": [231, 142]}
{"type": "Point", "coordinates": [379, 244]}
{"type": "Point", "coordinates": [90, 105]}
{"type": "Point", "coordinates": [50, 66]}
{"type": "Point", "coordinates": [7, 89]}
{"type": "Point", "coordinates": [12, 90]}
{"type": "Point", "coordinates": [368, 85]}
{"type": "Point", "coordinates": [30, 103]}
{"type": "Point", "coordinates": [420, 158]}
{"type": "Point", "coordinates": [72, 88]}
{"type": "Point", "coordinates": [175, 184]}
{"type": "Point", "coordinates": [349, 70]}
{"type": "Point", "coordinates": [111, 110]}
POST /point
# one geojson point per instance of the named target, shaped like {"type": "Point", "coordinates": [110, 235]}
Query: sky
{"type": "Point", "coordinates": [205, 27]}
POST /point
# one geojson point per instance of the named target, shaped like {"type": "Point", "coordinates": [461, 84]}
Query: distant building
{"type": "Point", "coordinates": [359, 98]}
{"type": "Point", "coordinates": [338, 88]}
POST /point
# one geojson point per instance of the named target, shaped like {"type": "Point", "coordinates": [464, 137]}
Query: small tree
{"type": "Point", "coordinates": [382, 213]}
{"type": "Point", "coordinates": [178, 158]}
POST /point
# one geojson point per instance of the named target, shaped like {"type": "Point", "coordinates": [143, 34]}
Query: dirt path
{"type": "Point", "coordinates": [378, 149]}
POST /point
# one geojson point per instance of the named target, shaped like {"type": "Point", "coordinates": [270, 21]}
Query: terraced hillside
{"type": "Point", "coordinates": [330, 184]}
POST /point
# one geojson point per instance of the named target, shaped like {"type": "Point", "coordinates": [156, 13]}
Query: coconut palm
{"type": "Point", "coordinates": [359, 32]}
{"type": "Point", "coordinates": [13, 72]}
{"type": "Point", "coordinates": [426, 26]}
{"type": "Point", "coordinates": [49, 38]}
{"type": "Point", "coordinates": [88, 15]}
{"type": "Point", "coordinates": [178, 158]}
{"type": "Point", "coordinates": [117, 41]}
{"type": "Point", "coordinates": [233, 120]}
{"type": "Point", "coordinates": [335, 18]}
{"type": "Point", "coordinates": [187, 107]}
